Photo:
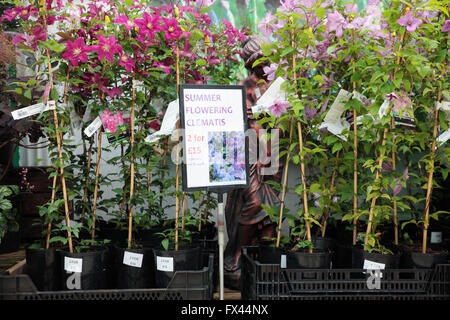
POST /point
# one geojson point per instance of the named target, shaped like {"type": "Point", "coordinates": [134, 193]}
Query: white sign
{"type": "Point", "coordinates": [73, 264]}
{"type": "Point", "coordinates": [214, 143]}
{"type": "Point", "coordinates": [133, 259]}
{"type": "Point", "coordinates": [164, 264]}
{"type": "Point", "coordinates": [93, 127]}
{"type": "Point", "coordinates": [33, 109]}
{"type": "Point", "coordinates": [436, 237]}
{"type": "Point", "coordinates": [283, 261]}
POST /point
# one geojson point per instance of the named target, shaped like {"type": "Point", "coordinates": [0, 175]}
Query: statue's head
{"type": "Point", "coordinates": [251, 51]}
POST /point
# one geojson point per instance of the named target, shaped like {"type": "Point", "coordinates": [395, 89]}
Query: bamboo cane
{"type": "Point", "coordinates": [305, 197]}
{"type": "Point", "coordinates": [355, 162]}
{"type": "Point", "coordinates": [124, 198]}
{"type": "Point", "coordinates": [177, 183]}
{"type": "Point", "coordinates": [395, 201]}
{"type": "Point", "coordinates": [130, 214]}
{"type": "Point", "coordinates": [285, 179]}
{"type": "Point", "coordinates": [200, 200]}
{"type": "Point", "coordinates": [333, 178]}
{"type": "Point", "coordinates": [86, 184]}
{"type": "Point", "coordinates": [183, 203]}
{"type": "Point", "coordinates": [49, 228]}
{"type": "Point", "coordinates": [58, 141]}
{"type": "Point", "coordinates": [430, 180]}
{"type": "Point", "coordinates": [380, 162]}
{"type": "Point", "coordinates": [97, 171]}
{"type": "Point", "coordinates": [148, 185]}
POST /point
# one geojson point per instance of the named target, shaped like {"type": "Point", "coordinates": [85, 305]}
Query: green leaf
{"type": "Point", "coordinates": [201, 62]}
{"type": "Point", "coordinates": [336, 147]}
{"type": "Point", "coordinates": [165, 244]}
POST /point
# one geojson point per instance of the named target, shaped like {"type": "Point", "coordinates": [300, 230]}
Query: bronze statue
{"type": "Point", "coordinates": [247, 222]}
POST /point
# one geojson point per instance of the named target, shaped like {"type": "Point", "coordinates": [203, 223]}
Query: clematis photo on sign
{"type": "Point", "coordinates": [114, 125]}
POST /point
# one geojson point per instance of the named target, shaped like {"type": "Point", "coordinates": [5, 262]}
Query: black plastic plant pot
{"type": "Point", "coordinates": [168, 262]}
{"type": "Point", "coordinates": [324, 244]}
{"type": "Point", "coordinates": [109, 268]}
{"type": "Point", "coordinates": [112, 232]}
{"type": "Point", "coordinates": [44, 268]}
{"type": "Point", "coordinates": [307, 260]}
{"type": "Point", "coordinates": [10, 242]}
{"type": "Point", "coordinates": [269, 254]}
{"type": "Point", "coordinates": [84, 270]}
{"type": "Point", "coordinates": [362, 259]}
{"type": "Point", "coordinates": [134, 268]}
{"type": "Point", "coordinates": [342, 256]}
{"type": "Point", "coordinates": [412, 259]}
{"type": "Point", "coordinates": [150, 237]}
{"type": "Point", "coordinates": [208, 231]}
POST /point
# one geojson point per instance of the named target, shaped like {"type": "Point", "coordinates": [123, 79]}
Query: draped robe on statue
{"type": "Point", "coordinates": [247, 221]}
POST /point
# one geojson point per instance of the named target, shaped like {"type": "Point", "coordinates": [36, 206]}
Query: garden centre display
{"type": "Point", "coordinates": [343, 106]}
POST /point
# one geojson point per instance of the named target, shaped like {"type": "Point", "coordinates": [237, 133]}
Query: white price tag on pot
{"type": "Point", "coordinates": [164, 264]}
{"type": "Point", "coordinates": [436, 237]}
{"type": "Point", "coordinates": [283, 262]}
{"type": "Point", "coordinates": [133, 259]}
{"type": "Point", "coordinates": [372, 265]}
{"type": "Point", "coordinates": [73, 264]}
{"type": "Point", "coordinates": [94, 126]}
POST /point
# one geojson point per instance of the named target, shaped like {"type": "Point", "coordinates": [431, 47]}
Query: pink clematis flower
{"type": "Point", "coordinates": [123, 19]}
{"type": "Point", "coordinates": [172, 30]}
{"type": "Point", "coordinates": [148, 25]}
{"type": "Point", "coordinates": [76, 51]}
{"type": "Point", "coordinates": [336, 22]}
{"type": "Point", "coordinates": [11, 14]}
{"type": "Point", "coordinates": [27, 11]}
{"type": "Point", "coordinates": [409, 21]}
{"type": "Point", "coordinates": [279, 107]}
{"type": "Point", "coordinates": [106, 48]}
{"type": "Point", "coordinates": [126, 62]}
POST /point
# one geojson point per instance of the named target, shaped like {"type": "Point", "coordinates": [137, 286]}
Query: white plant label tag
{"type": "Point", "coordinates": [383, 109]}
{"type": "Point", "coordinates": [164, 264]}
{"type": "Point", "coordinates": [443, 137]}
{"type": "Point", "coordinates": [283, 262]}
{"type": "Point", "coordinates": [436, 237]}
{"type": "Point", "coordinates": [93, 127]}
{"type": "Point", "coordinates": [73, 264]}
{"type": "Point", "coordinates": [133, 259]}
{"type": "Point", "coordinates": [33, 109]}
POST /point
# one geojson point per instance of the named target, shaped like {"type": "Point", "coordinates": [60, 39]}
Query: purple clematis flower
{"type": "Point", "coordinates": [270, 71]}
{"type": "Point", "coordinates": [279, 107]}
{"type": "Point", "coordinates": [409, 21]}
{"type": "Point", "coordinates": [336, 22]}
{"type": "Point", "coordinates": [398, 187]}
{"type": "Point", "coordinates": [446, 27]}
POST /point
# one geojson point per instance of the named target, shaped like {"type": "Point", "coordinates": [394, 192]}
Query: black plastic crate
{"type": "Point", "coordinates": [185, 285]}
{"type": "Point", "coordinates": [270, 281]}
{"type": "Point", "coordinates": [210, 246]}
